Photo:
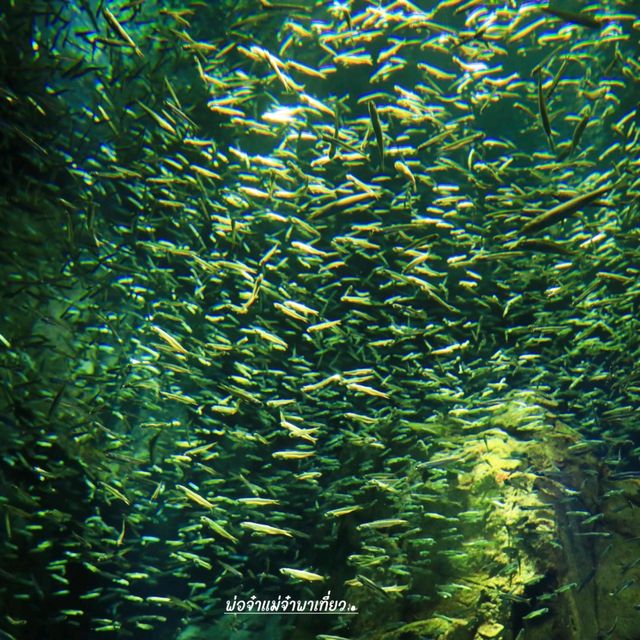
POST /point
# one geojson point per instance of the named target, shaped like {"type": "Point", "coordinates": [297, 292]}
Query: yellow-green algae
{"type": "Point", "coordinates": [522, 485]}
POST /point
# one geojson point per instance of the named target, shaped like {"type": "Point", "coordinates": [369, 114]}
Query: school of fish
{"type": "Point", "coordinates": [267, 265]}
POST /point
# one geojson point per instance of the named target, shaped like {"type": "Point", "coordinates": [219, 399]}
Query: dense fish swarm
{"type": "Point", "coordinates": [314, 296]}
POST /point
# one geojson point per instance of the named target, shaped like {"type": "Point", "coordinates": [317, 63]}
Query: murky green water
{"type": "Point", "coordinates": [330, 306]}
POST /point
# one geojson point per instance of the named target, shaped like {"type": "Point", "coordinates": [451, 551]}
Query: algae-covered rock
{"type": "Point", "coordinates": [490, 630]}
{"type": "Point", "coordinates": [509, 574]}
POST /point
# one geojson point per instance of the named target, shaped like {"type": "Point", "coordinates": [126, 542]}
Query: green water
{"type": "Point", "coordinates": [319, 300]}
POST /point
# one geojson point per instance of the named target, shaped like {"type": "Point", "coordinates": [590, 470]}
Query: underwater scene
{"type": "Point", "coordinates": [320, 320]}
